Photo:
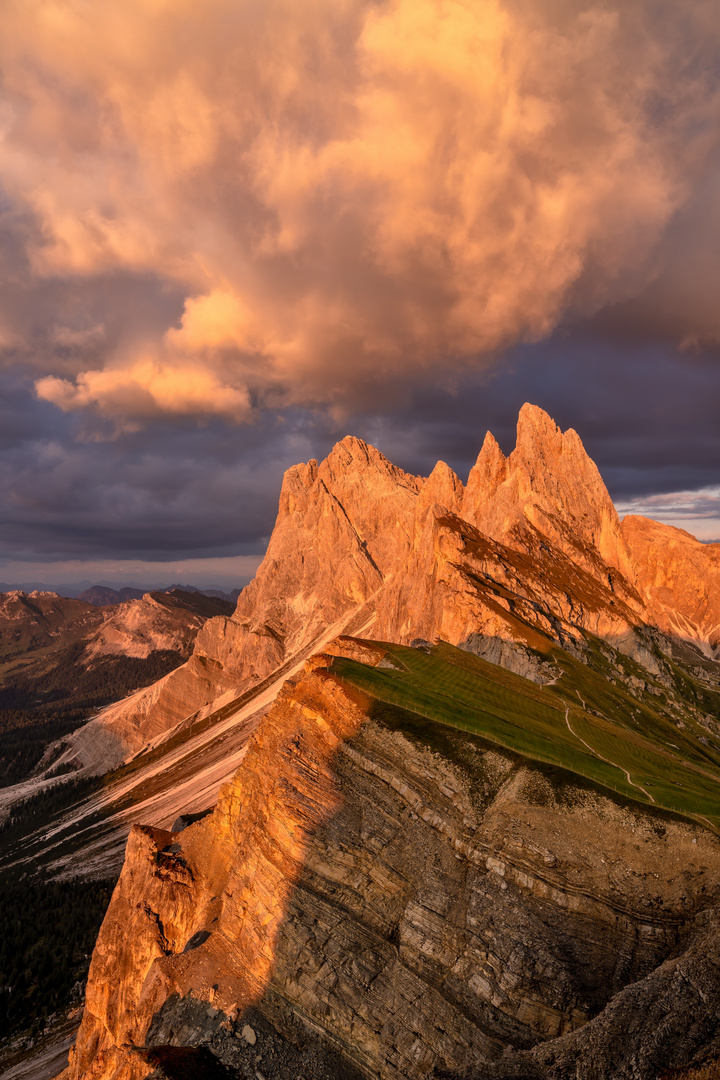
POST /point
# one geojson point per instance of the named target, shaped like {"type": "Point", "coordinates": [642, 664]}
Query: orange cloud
{"type": "Point", "coordinates": [146, 388]}
{"type": "Point", "coordinates": [349, 190]}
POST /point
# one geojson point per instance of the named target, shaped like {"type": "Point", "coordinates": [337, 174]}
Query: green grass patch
{"type": "Point", "coordinates": [583, 723]}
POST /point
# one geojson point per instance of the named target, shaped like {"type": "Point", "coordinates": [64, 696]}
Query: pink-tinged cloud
{"type": "Point", "coordinates": [143, 389]}
{"type": "Point", "coordinates": [350, 193]}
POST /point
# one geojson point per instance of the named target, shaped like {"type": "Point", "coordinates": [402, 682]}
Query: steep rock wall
{"type": "Point", "coordinates": [411, 898]}
{"type": "Point", "coordinates": [343, 527]}
{"type": "Point", "coordinates": [532, 541]}
{"type": "Point", "coordinates": [679, 579]}
{"type": "Point", "coordinates": [551, 483]}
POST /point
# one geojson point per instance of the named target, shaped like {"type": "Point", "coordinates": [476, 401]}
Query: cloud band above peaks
{"type": "Point", "coordinates": [345, 192]}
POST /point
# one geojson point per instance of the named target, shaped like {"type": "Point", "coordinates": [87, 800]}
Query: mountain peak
{"type": "Point", "coordinates": [355, 457]}
{"type": "Point", "coordinates": [444, 487]}
{"type": "Point", "coordinates": [486, 475]}
{"type": "Point", "coordinates": [356, 447]}
{"type": "Point", "coordinates": [548, 482]}
{"type": "Point", "coordinates": [533, 418]}
{"type": "Point", "coordinates": [541, 442]}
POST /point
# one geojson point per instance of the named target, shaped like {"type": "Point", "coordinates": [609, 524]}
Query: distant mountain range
{"type": "Point", "coordinates": [63, 657]}
{"type": "Point", "coordinates": [102, 595]}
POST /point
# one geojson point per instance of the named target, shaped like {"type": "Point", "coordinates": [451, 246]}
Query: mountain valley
{"type": "Point", "coordinates": [62, 658]}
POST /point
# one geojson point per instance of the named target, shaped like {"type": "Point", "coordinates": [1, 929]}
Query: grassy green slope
{"type": "Point", "coordinates": [586, 722]}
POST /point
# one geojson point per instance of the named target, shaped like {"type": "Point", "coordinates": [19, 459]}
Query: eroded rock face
{"type": "Point", "coordinates": [343, 528]}
{"type": "Point", "coordinates": [360, 544]}
{"type": "Point", "coordinates": [419, 907]}
{"type": "Point", "coordinates": [549, 482]}
{"type": "Point", "coordinates": [414, 900]}
{"type": "Point", "coordinates": [679, 579]}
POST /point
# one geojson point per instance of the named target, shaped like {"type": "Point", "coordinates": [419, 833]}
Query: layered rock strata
{"type": "Point", "coordinates": [411, 899]}
{"type": "Point", "coordinates": [406, 902]}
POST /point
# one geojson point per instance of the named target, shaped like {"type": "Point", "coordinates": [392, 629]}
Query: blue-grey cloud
{"type": "Point", "coordinates": [297, 225]}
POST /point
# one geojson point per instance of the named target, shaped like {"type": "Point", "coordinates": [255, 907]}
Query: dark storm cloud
{"type": "Point", "coordinates": [219, 259]}
{"type": "Point", "coordinates": [173, 489]}
{"type": "Point", "coordinates": [647, 414]}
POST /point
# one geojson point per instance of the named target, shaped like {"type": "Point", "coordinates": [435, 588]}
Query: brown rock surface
{"type": "Point", "coordinates": [418, 901]}
{"type": "Point", "coordinates": [360, 543]}
{"type": "Point", "coordinates": [679, 579]}
{"type": "Point", "coordinates": [343, 527]}
{"type": "Point", "coordinates": [419, 905]}
{"type": "Point", "coordinates": [549, 482]}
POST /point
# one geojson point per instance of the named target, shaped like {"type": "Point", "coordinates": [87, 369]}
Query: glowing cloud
{"type": "Point", "coordinates": [349, 191]}
{"type": "Point", "coordinates": [145, 389]}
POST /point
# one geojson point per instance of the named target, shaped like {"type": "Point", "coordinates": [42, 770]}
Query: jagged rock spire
{"type": "Point", "coordinates": [550, 482]}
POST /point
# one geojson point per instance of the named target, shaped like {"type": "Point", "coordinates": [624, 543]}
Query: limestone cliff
{"type": "Point", "coordinates": [378, 897]}
{"type": "Point", "coordinates": [412, 902]}
{"type": "Point", "coordinates": [358, 543]}
{"type": "Point", "coordinates": [343, 528]}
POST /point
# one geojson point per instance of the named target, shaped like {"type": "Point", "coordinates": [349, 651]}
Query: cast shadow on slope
{"type": "Point", "coordinates": [456, 905]}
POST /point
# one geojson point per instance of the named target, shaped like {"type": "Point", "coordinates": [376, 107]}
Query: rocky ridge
{"type": "Point", "coordinates": [43, 620]}
{"type": "Point", "coordinates": [413, 902]}
{"type": "Point", "coordinates": [534, 534]}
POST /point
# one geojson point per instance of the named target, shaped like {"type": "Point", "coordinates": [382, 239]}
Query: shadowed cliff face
{"type": "Point", "coordinates": [409, 897]}
{"type": "Point", "coordinates": [360, 543]}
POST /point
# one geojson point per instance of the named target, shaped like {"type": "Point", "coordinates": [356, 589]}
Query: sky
{"type": "Point", "coordinates": [233, 232]}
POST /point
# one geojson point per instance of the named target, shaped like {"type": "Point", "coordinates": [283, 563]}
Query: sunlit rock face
{"type": "Point", "coordinates": [418, 908]}
{"type": "Point", "coordinates": [359, 542]}
{"type": "Point", "coordinates": [415, 910]}
{"type": "Point", "coordinates": [550, 483]}
{"type": "Point", "coordinates": [679, 580]}
{"type": "Point", "coordinates": [343, 527]}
